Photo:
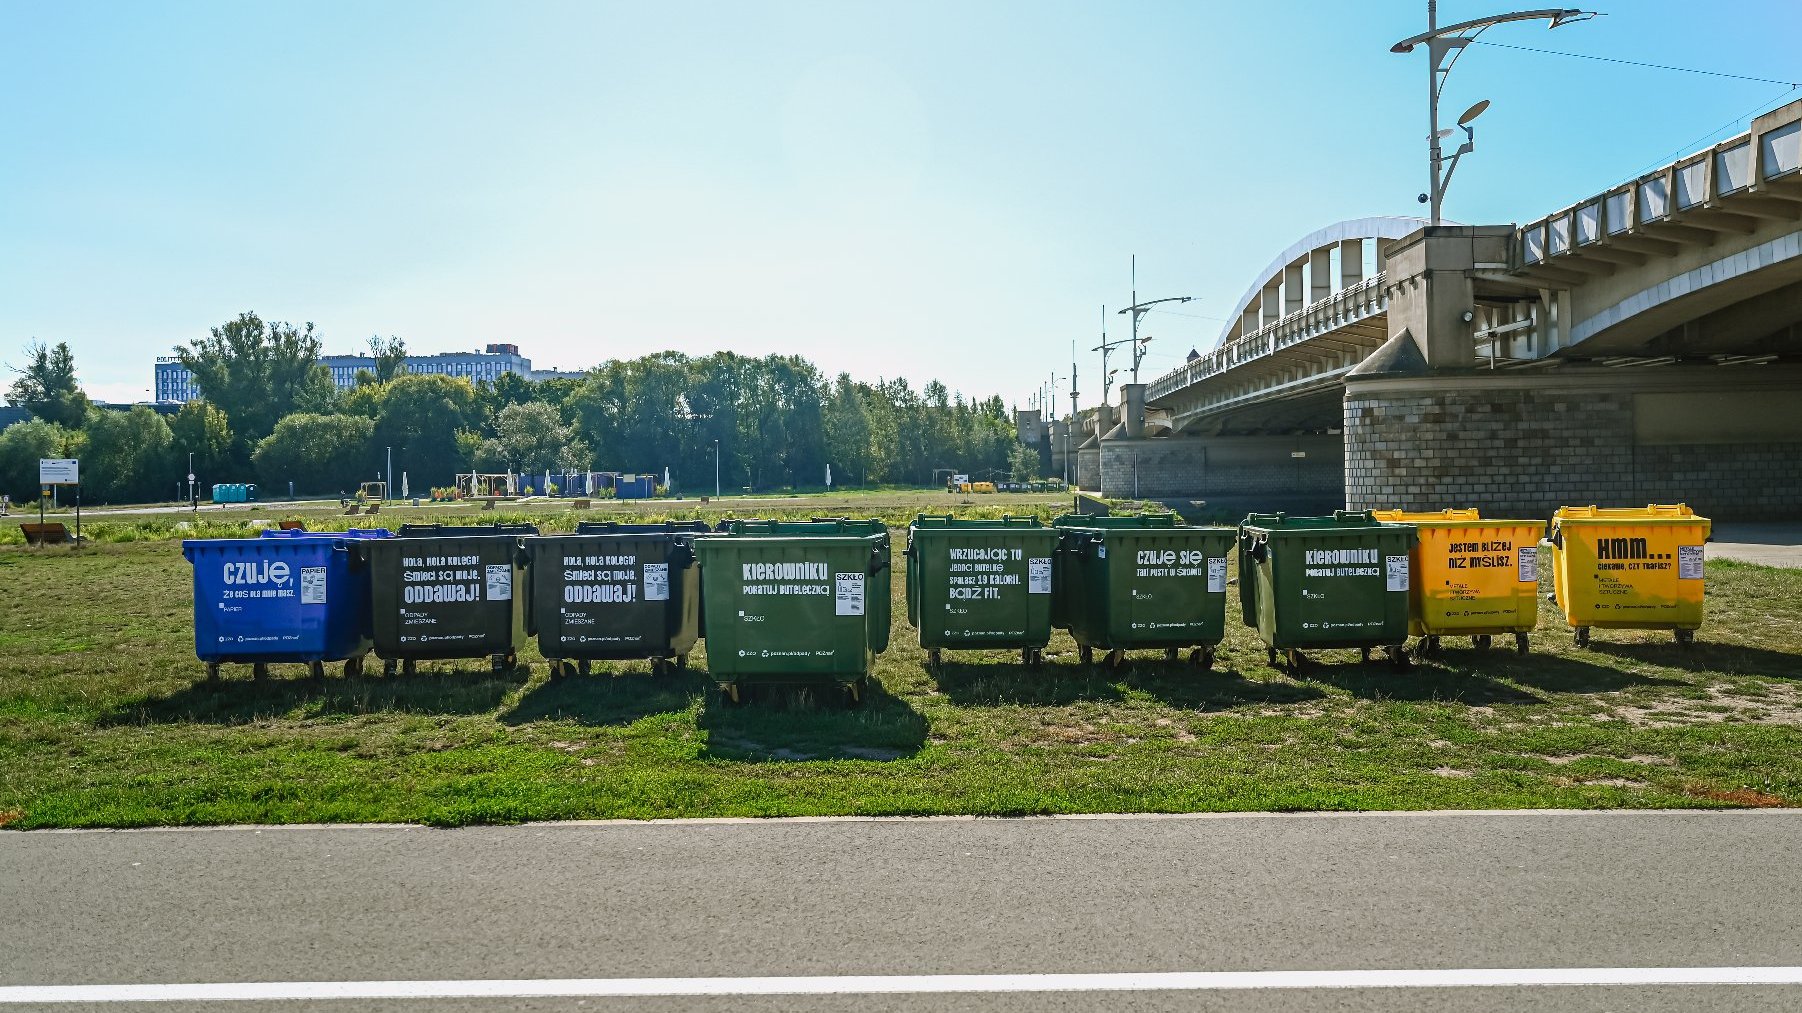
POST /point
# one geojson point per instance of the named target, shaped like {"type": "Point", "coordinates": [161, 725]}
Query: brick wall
{"type": "Point", "coordinates": [1525, 452]}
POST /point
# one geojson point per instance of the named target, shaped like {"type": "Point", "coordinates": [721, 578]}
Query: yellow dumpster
{"type": "Point", "coordinates": [1472, 577]}
{"type": "Point", "coordinates": [1629, 568]}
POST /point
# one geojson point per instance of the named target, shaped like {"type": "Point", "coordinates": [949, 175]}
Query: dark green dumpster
{"type": "Point", "coordinates": [976, 584]}
{"type": "Point", "coordinates": [1329, 582]}
{"type": "Point", "coordinates": [614, 592]}
{"type": "Point", "coordinates": [794, 602]}
{"type": "Point", "coordinates": [440, 591]}
{"type": "Point", "coordinates": [1143, 582]}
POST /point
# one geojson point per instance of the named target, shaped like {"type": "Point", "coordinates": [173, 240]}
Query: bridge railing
{"type": "Point", "coordinates": [1346, 306]}
{"type": "Point", "coordinates": [1738, 165]}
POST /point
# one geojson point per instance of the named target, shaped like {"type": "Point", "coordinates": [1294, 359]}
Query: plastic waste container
{"type": "Point", "coordinates": [1142, 582]}
{"type": "Point", "coordinates": [980, 584]}
{"type": "Point", "coordinates": [439, 591]}
{"type": "Point", "coordinates": [614, 592]}
{"type": "Point", "coordinates": [1329, 582]}
{"type": "Point", "coordinates": [280, 600]}
{"type": "Point", "coordinates": [794, 602]}
{"type": "Point", "coordinates": [1628, 568]}
{"type": "Point", "coordinates": [1471, 577]}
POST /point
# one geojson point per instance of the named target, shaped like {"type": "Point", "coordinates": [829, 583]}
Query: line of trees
{"type": "Point", "coordinates": [270, 413]}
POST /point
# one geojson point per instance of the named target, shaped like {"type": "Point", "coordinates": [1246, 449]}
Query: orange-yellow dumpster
{"type": "Point", "coordinates": [1629, 568]}
{"type": "Point", "coordinates": [1473, 577]}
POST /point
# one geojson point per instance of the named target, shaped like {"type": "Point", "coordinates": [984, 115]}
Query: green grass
{"type": "Point", "coordinates": [105, 720]}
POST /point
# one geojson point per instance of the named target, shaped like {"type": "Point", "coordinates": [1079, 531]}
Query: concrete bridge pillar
{"type": "Point", "coordinates": [1132, 410]}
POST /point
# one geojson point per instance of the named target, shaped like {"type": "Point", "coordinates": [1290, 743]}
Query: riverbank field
{"type": "Point", "coordinates": [106, 720]}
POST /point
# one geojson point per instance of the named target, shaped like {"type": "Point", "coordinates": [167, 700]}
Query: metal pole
{"type": "Point", "coordinates": [388, 484]}
{"type": "Point", "coordinates": [716, 469]}
{"type": "Point", "coordinates": [1433, 152]}
{"type": "Point", "coordinates": [1136, 315]}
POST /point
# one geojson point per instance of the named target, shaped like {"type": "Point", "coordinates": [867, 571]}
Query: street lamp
{"type": "Point", "coordinates": [1137, 309]}
{"type": "Point", "coordinates": [389, 481]}
{"type": "Point", "coordinates": [716, 469]}
{"type": "Point", "coordinates": [1451, 40]}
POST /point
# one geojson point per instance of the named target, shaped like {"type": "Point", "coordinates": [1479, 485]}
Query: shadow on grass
{"type": "Point", "coordinates": [604, 699]}
{"type": "Point", "coordinates": [1210, 689]}
{"type": "Point", "coordinates": [231, 701]}
{"type": "Point", "coordinates": [1054, 683]}
{"type": "Point", "coordinates": [795, 723]}
{"type": "Point", "coordinates": [1568, 674]}
{"type": "Point", "coordinates": [1702, 656]}
{"type": "Point", "coordinates": [1378, 679]}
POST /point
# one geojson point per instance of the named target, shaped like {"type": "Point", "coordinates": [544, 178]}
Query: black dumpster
{"type": "Point", "coordinates": [614, 592]}
{"type": "Point", "coordinates": [440, 591]}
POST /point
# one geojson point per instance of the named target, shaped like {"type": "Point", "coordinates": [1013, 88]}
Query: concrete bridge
{"type": "Point", "coordinates": [1644, 343]}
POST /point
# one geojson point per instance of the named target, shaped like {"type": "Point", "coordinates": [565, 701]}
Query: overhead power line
{"type": "Point", "coordinates": [1637, 63]}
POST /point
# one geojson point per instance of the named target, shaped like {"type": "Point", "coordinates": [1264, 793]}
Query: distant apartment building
{"type": "Point", "coordinates": [174, 383]}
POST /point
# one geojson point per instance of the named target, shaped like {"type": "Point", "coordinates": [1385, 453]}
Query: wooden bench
{"type": "Point", "coordinates": [355, 509]}
{"type": "Point", "coordinates": [291, 525]}
{"type": "Point", "coordinates": [580, 504]}
{"type": "Point", "coordinates": [54, 533]}
{"type": "Point", "coordinates": [374, 508]}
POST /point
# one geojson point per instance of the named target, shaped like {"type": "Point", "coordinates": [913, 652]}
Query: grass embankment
{"type": "Point", "coordinates": [105, 720]}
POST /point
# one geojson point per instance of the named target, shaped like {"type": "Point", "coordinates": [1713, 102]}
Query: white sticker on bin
{"type": "Point", "coordinates": [848, 599]}
{"type": "Point", "coordinates": [1689, 562]}
{"type": "Point", "coordinates": [1527, 570]}
{"type": "Point", "coordinates": [1216, 574]}
{"type": "Point", "coordinates": [312, 585]}
{"type": "Point", "coordinates": [500, 582]}
{"type": "Point", "coordinates": [1397, 571]}
{"type": "Point", "coordinates": [1038, 575]}
{"type": "Point", "coordinates": [656, 582]}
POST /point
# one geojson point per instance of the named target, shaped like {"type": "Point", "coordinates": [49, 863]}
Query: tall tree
{"type": "Point", "coordinates": [390, 355]}
{"type": "Point", "coordinates": [420, 416]}
{"type": "Point", "coordinates": [204, 431]}
{"type": "Point", "coordinates": [127, 456]}
{"type": "Point", "coordinates": [318, 453]}
{"type": "Point", "coordinates": [257, 373]}
{"type": "Point", "coordinates": [47, 387]}
{"type": "Point", "coordinates": [530, 438]}
{"type": "Point", "coordinates": [22, 445]}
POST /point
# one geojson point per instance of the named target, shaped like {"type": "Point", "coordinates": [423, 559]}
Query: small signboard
{"type": "Point", "coordinates": [59, 471]}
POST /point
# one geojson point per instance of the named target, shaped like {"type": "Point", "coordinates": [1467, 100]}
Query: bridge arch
{"type": "Point", "coordinates": [1303, 274]}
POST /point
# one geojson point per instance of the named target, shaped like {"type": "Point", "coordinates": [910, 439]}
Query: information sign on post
{"type": "Point", "coordinates": [55, 471]}
{"type": "Point", "coordinates": [59, 471]}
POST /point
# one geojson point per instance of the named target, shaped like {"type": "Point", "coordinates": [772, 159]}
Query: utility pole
{"type": "Point", "coordinates": [1139, 309]}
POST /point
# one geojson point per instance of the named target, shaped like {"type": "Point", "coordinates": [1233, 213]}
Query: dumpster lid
{"type": "Point", "coordinates": [1450, 517]}
{"type": "Point", "coordinates": [658, 528]}
{"type": "Point", "coordinates": [458, 530]}
{"type": "Point", "coordinates": [756, 526]}
{"type": "Point", "coordinates": [348, 533]}
{"type": "Point", "coordinates": [948, 521]}
{"type": "Point", "coordinates": [1339, 519]}
{"type": "Point", "coordinates": [1142, 520]}
{"type": "Point", "coordinates": [1652, 513]}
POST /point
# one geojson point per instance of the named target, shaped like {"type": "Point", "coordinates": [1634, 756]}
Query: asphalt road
{"type": "Point", "coordinates": [904, 897]}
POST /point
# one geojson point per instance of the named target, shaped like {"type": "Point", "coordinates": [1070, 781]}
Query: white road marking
{"type": "Point", "coordinates": [1189, 981]}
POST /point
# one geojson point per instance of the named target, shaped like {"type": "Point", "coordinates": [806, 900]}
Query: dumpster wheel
{"type": "Point", "coordinates": [1270, 656]}
{"type": "Point", "coordinates": [659, 666]}
{"type": "Point", "coordinates": [316, 669]}
{"type": "Point", "coordinates": [1296, 660]}
{"type": "Point", "coordinates": [729, 693]}
{"type": "Point", "coordinates": [935, 660]}
{"type": "Point", "coordinates": [854, 693]}
{"type": "Point", "coordinates": [554, 666]}
{"type": "Point", "coordinates": [1521, 644]}
{"type": "Point", "coordinates": [1364, 655]}
{"type": "Point", "coordinates": [409, 667]}
{"type": "Point", "coordinates": [353, 667]}
{"type": "Point", "coordinates": [1115, 659]}
{"type": "Point", "coordinates": [1684, 637]}
{"type": "Point", "coordinates": [1202, 657]}
{"type": "Point", "coordinates": [260, 670]}
{"type": "Point", "coordinates": [1398, 655]}
{"type": "Point", "coordinates": [1581, 635]}
{"type": "Point", "coordinates": [1481, 641]}
{"type": "Point", "coordinates": [1088, 655]}
{"type": "Point", "coordinates": [583, 667]}
{"type": "Point", "coordinates": [212, 671]}
{"type": "Point", "coordinates": [502, 662]}
{"type": "Point", "coordinates": [681, 662]}
{"type": "Point", "coordinates": [388, 666]}
{"type": "Point", "coordinates": [1171, 655]}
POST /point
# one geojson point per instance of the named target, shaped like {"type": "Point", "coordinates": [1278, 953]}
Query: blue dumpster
{"type": "Point", "coordinates": [286, 599]}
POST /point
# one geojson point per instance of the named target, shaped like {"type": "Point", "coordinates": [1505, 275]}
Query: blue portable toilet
{"type": "Point", "coordinates": [286, 598]}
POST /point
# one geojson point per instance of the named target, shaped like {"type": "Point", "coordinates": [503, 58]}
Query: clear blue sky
{"type": "Point", "coordinates": [916, 189]}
